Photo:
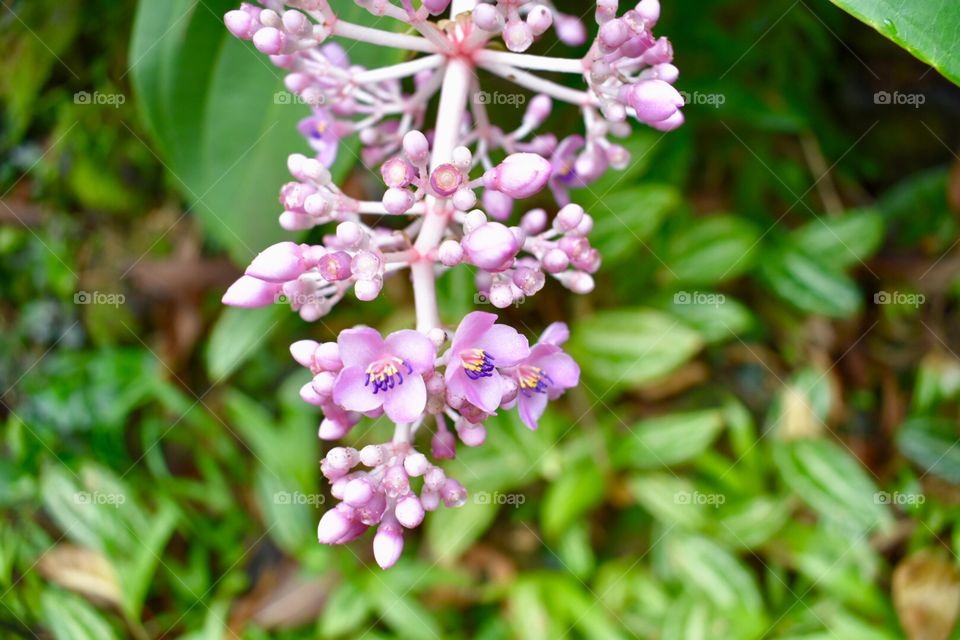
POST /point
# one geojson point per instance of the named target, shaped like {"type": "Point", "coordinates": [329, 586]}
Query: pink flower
{"type": "Point", "coordinates": [545, 374]}
{"type": "Point", "coordinates": [479, 346]}
{"type": "Point", "coordinates": [384, 373]}
{"type": "Point", "coordinates": [320, 131]}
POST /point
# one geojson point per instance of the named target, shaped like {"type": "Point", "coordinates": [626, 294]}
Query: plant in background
{"type": "Point", "coordinates": [458, 183]}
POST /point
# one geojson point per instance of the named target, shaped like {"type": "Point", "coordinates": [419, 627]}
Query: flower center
{"type": "Point", "coordinates": [445, 180]}
{"type": "Point", "coordinates": [320, 128]}
{"type": "Point", "coordinates": [385, 373]}
{"type": "Point", "coordinates": [532, 379]}
{"type": "Point", "coordinates": [477, 363]}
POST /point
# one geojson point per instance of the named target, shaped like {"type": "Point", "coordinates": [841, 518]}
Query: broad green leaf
{"type": "Point", "coordinates": [717, 317]}
{"type": "Point", "coordinates": [667, 440]}
{"type": "Point", "coordinates": [527, 611]}
{"type": "Point", "coordinates": [401, 611]}
{"type": "Point", "coordinates": [346, 609]}
{"type": "Point", "coordinates": [623, 220]}
{"type": "Point", "coordinates": [69, 617]}
{"type": "Point", "coordinates": [574, 550]}
{"type": "Point", "coordinates": [928, 29]}
{"type": "Point", "coordinates": [933, 444]}
{"type": "Point", "coordinates": [751, 523]}
{"type": "Point", "coordinates": [671, 500]}
{"type": "Point", "coordinates": [237, 335]}
{"type": "Point", "coordinates": [289, 515]}
{"type": "Point", "coordinates": [806, 283]}
{"type": "Point", "coordinates": [716, 572]}
{"type": "Point", "coordinates": [711, 250]}
{"type": "Point", "coordinates": [632, 347]}
{"type": "Point", "coordinates": [844, 241]}
{"type": "Point", "coordinates": [832, 482]}
{"type": "Point", "coordinates": [570, 496]}
{"type": "Point", "coordinates": [450, 532]}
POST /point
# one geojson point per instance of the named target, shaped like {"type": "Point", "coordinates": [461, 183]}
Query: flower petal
{"type": "Point", "coordinates": [414, 347]}
{"type": "Point", "coordinates": [350, 392]}
{"type": "Point", "coordinates": [505, 344]}
{"type": "Point", "coordinates": [360, 346]}
{"type": "Point", "coordinates": [562, 369]}
{"type": "Point", "coordinates": [471, 328]}
{"type": "Point", "coordinates": [557, 333]}
{"type": "Point", "coordinates": [406, 402]}
{"type": "Point", "coordinates": [485, 393]}
{"type": "Point", "coordinates": [531, 408]}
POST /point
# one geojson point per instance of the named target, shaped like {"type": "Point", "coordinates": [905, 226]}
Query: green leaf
{"type": "Point", "coordinates": [237, 335]}
{"type": "Point", "coordinates": [669, 499]}
{"type": "Point", "coordinates": [450, 532]}
{"type": "Point", "coordinates": [568, 498]}
{"type": "Point", "coordinates": [832, 482]}
{"type": "Point", "coordinates": [623, 220]}
{"type": "Point", "coordinates": [809, 285]}
{"type": "Point", "coordinates": [927, 29]}
{"type": "Point", "coordinates": [632, 347]}
{"type": "Point", "coordinates": [844, 241]}
{"type": "Point", "coordinates": [933, 444]}
{"type": "Point", "coordinates": [751, 523]}
{"type": "Point", "coordinates": [400, 611]}
{"type": "Point", "coordinates": [347, 608]}
{"type": "Point", "coordinates": [667, 440]}
{"type": "Point", "coordinates": [71, 618]}
{"type": "Point", "coordinates": [715, 316]}
{"type": "Point", "coordinates": [715, 572]}
{"type": "Point", "coordinates": [711, 250]}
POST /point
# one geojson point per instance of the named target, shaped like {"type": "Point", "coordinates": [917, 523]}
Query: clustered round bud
{"type": "Point", "coordinates": [459, 183]}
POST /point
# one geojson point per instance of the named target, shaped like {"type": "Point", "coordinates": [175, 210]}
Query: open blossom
{"type": "Point", "coordinates": [456, 182]}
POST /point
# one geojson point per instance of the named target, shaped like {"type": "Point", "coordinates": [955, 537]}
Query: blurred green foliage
{"type": "Point", "coordinates": [764, 443]}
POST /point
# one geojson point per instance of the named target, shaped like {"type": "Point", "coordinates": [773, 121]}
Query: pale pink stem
{"type": "Point", "coordinates": [534, 83]}
{"type": "Point", "coordinates": [401, 70]}
{"type": "Point", "coordinates": [531, 62]}
{"type": "Point", "coordinates": [380, 37]}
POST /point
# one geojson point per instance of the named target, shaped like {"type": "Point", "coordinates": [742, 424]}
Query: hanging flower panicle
{"type": "Point", "coordinates": [458, 181]}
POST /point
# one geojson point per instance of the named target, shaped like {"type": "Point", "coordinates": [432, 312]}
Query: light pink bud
{"type": "Point", "coordinates": [429, 499]}
{"type": "Point", "coordinates": [335, 266]}
{"type": "Point", "coordinates": [534, 221]}
{"type": "Point", "coordinates": [278, 263]}
{"type": "Point", "coordinates": [453, 493]}
{"type": "Point", "coordinates": [332, 429]}
{"type": "Point", "coordinates": [342, 457]}
{"type": "Point", "coordinates": [395, 482]}
{"type": "Point", "coordinates": [327, 356]}
{"type": "Point", "coordinates": [303, 350]}
{"type": "Point", "coordinates": [528, 280]}
{"type": "Point", "coordinates": [435, 477]}
{"type": "Point", "coordinates": [568, 217]}
{"type": "Point", "coordinates": [538, 110]}
{"type": "Point", "coordinates": [671, 123]}
{"type": "Point", "coordinates": [473, 435]}
{"type": "Point", "coordinates": [367, 290]}
{"type": "Point", "coordinates": [618, 156]}
{"type": "Point", "coordinates": [240, 23]}
{"type": "Point", "coordinates": [270, 41]}
{"type": "Point", "coordinates": [666, 72]}
{"type": "Point", "coordinates": [358, 492]}
{"type": "Point", "coordinates": [606, 10]}
{"type": "Point", "coordinates": [296, 22]}
{"type": "Point", "coordinates": [450, 253]}
{"type": "Point", "coordinates": [649, 10]}
{"type": "Point", "coordinates": [462, 158]}
{"type": "Point", "coordinates": [638, 45]}
{"type": "Point", "coordinates": [491, 246]}
{"type": "Point", "coordinates": [660, 52]}
{"type": "Point", "coordinates": [577, 281]}
{"type": "Point", "coordinates": [366, 265]}
{"type": "Point", "coordinates": [388, 543]}
{"type": "Point", "coordinates": [488, 18]}
{"type": "Point", "coordinates": [409, 511]}
{"type": "Point", "coordinates": [397, 172]}
{"type": "Point", "coordinates": [372, 512]}
{"type": "Point", "coordinates": [652, 100]}
{"type": "Point", "coordinates": [445, 180]}
{"type": "Point", "coordinates": [464, 199]}
{"type": "Point", "coordinates": [398, 201]}
{"type": "Point", "coordinates": [334, 525]}
{"type": "Point", "coordinates": [518, 36]}
{"type": "Point", "coordinates": [249, 292]}
{"type": "Point", "coordinates": [436, 7]}
{"type": "Point", "coordinates": [555, 261]}
{"type": "Point", "coordinates": [473, 220]}
{"type": "Point", "coordinates": [612, 35]}
{"type": "Point", "coordinates": [373, 455]}
{"type": "Point", "coordinates": [501, 295]}
{"type": "Point", "coordinates": [349, 233]}
{"type": "Point", "coordinates": [416, 464]}
{"type": "Point", "coordinates": [416, 147]}
{"type": "Point", "coordinates": [539, 19]}
{"type": "Point", "coordinates": [443, 446]}
{"type": "Point", "coordinates": [570, 30]}
{"type": "Point", "coordinates": [585, 226]}
{"type": "Point", "coordinates": [309, 395]}
{"type": "Point", "coordinates": [323, 383]}
{"type": "Point", "coordinates": [521, 175]}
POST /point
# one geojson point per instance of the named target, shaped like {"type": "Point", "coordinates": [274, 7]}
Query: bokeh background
{"type": "Point", "coordinates": [763, 446]}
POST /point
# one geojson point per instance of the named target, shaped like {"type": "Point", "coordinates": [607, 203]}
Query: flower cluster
{"type": "Point", "coordinates": [455, 185]}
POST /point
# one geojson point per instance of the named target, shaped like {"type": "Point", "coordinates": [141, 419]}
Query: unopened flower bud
{"type": "Point", "coordinates": [520, 175]}
{"type": "Point", "coordinates": [409, 511]}
{"type": "Point", "coordinates": [335, 266]}
{"type": "Point", "coordinates": [443, 446]}
{"type": "Point", "coordinates": [539, 19]}
{"type": "Point", "coordinates": [397, 172]}
{"type": "Point", "coordinates": [397, 201]}
{"type": "Point", "coordinates": [453, 493]}
{"type": "Point", "coordinates": [491, 246]}
{"type": "Point", "coordinates": [416, 147]}
{"type": "Point", "coordinates": [367, 290]}
{"type": "Point", "coordinates": [450, 253]}
{"type": "Point", "coordinates": [388, 543]}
